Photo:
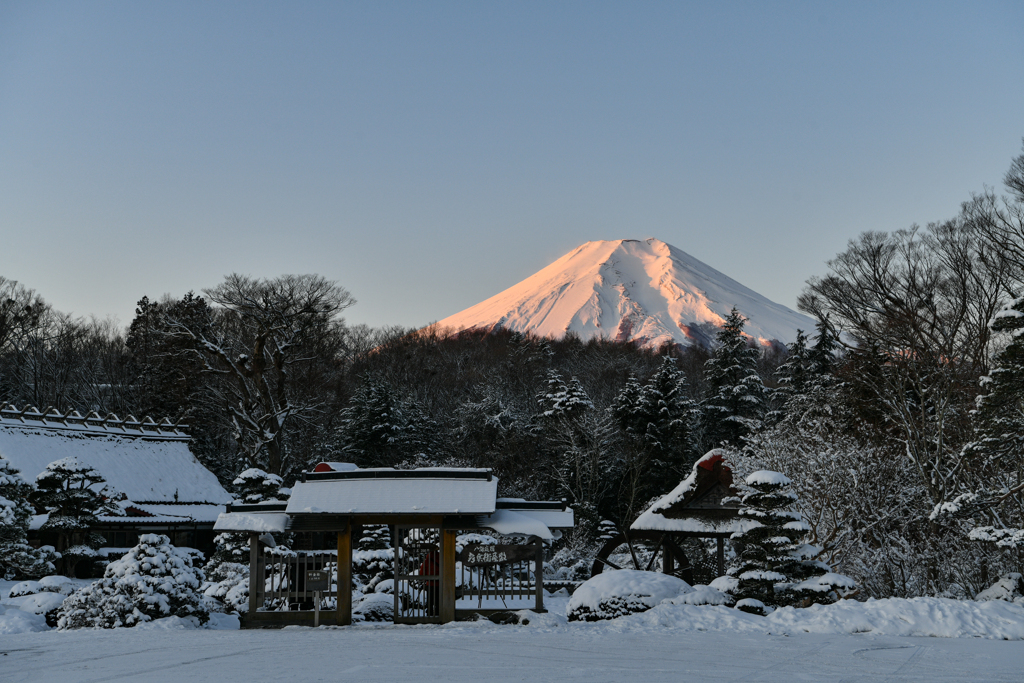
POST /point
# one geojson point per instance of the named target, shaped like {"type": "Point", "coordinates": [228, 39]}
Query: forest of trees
{"type": "Point", "coordinates": [899, 418]}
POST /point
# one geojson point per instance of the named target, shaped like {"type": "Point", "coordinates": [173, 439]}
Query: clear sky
{"type": "Point", "coordinates": [427, 155]}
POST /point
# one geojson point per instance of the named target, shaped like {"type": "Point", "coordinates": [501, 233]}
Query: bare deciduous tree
{"type": "Point", "coordinates": [265, 328]}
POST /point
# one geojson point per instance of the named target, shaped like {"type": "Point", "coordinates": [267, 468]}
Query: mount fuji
{"type": "Point", "coordinates": [643, 291]}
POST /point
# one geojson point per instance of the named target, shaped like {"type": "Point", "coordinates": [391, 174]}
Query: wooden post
{"type": "Point", "coordinates": [447, 606]}
{"type": "Point", "coordinates": [255, 576]}
{"type": "Point", "coordinates": [721, 556]}
{"type": "Point", "coordinates": [668, 560]}
{"type": "Point", "coordinates": [344, 599]}
{"type": "Point", "coordinates": [538, 574]}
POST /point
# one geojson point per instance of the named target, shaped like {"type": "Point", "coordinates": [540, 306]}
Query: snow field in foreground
{"type": "Point", "coordinates": [485, 652]}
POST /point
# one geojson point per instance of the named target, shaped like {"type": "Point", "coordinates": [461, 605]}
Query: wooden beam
{"type": "Point", "coordinates": [538, 575]}
{"type": "Point", "coordinates": [720, 556]}
{"type": "Point", "coordinates": [447, 606]}
{"type": "Point", "coordinates": [344, 599]}
{"type": "Point", "coordinates": [255, 576]}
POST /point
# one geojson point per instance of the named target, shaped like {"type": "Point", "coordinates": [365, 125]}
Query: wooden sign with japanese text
{"type": "Point", "coordinates": [477, 554]}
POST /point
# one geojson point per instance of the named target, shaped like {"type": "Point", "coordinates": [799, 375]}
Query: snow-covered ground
{"type": "Point", "coordinates": [675, 641]}
{"type": "Point", "coordinates": [484, 652]}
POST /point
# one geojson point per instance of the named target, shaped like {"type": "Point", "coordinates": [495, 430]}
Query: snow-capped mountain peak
{"type": "Point", "coordinates": [645, 291]}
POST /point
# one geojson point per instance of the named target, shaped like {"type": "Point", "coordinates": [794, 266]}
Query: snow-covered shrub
{"type": "Point", "coordinates": [774, 568]}
{"type": "Point", "coordinates": [704, 595]}
{"type": "Point", "coordinates": [24, 588]}
{"type": "Point", "coordinates": [152, 581]}
{"type": "Point", "coordinates": [47, 584]}
{"type": "Point", "coordinates": [17, 558]}
{"type": "Point", "coordinates": [228, 583]}
{"type": "Point", "coordinates": [1009, 587]}
{"type": "Point", "coordinates": [375, 607]}
{"type": "Point", "coordinates": [617, 593]}
{"type": "Point", "coordinates": [370, 567]}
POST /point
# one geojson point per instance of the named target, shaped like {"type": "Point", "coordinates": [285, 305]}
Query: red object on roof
{"type": "Point", "coordinates": [709, 463]}
{"type": "Point", "coordinates": [323, 467]}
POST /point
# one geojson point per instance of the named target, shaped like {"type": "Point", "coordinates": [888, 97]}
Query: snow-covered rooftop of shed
{"type": "Point", "coordinates": [147, 467]}
{"type": "Point", "coordinates": [653, 519]}
{"type": "Point", "coordinates": [685, 486]}
{"type": "Point", "coordinates": [384, 491]}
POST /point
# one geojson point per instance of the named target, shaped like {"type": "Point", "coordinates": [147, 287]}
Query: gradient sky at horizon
{"type": "Point", "coordinates": [429, 155]}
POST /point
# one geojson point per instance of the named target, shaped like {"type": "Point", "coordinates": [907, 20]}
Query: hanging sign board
{"type": "Point", "coordinates": [318, 580]}
{"type": "Point", "coordinates": [477, 555]}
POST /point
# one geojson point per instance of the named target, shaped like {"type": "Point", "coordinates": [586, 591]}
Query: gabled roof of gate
{"type": "Point", "coordinates": [386, 491]}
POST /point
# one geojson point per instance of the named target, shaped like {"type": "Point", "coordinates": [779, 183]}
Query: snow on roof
{"type": "Point", "coordinates": [158, 512]}
{"type": "Point", "coordinates": [517, 522]}
{"type": "Point", "coordinates": [686, 485]}
{"type": "Point", "coordinates": [653, 518]}
{"type": "Point", "coordinates": [145, 466]}
{"type": "Point", "coordinates": [386, 491]}
{"type": "Point", "coordinates": [260, 522]}
{"type": "Point", "coordinates": [768, 477]}
{"type": "Point", "coordinates": [551, 518]}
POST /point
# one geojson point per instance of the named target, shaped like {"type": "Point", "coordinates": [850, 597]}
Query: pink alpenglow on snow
{"type": "Point", "coordinates": [644, 291]}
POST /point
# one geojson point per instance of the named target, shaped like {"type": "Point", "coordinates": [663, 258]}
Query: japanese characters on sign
{"type": "Point", "coordinates": [476, 554]}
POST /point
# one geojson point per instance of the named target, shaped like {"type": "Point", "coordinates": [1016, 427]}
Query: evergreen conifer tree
{"type": "Point", "coordinates": [561, 400]}
{"type": "Point", "coordinates": [380, 429]}
{"type": "Point", "coordinates": [823, 353]}
{"type": "Point", "coordinates": [152, 581]}
{"type": "Point", "coordinates": [74, 496]}
{"type": "Point", "coordinates": [1000, 414]}
{"type": "Point", "coordinates": [774, 567]}
{"type": "Point", "coordinates": [18, 559]}
{"type": "Point", "coordinates": [994, 504]}
{"type": "Point", "coordinates": [737, 398]}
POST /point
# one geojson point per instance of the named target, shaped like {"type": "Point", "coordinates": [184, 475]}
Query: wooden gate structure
{"type": "Point", "coordinates": [425, 509]}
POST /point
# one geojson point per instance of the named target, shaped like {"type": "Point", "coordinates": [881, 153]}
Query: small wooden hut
{"type": "Point", "coordinates": [704, 505]}
{"type": "Point", "coordinates": [425, 509]}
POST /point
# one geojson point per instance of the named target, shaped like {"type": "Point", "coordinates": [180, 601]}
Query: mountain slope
{"type": "Point", "coordinates": [645, 291]}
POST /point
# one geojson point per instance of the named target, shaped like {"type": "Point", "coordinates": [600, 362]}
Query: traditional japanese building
{"type": "Point", "coordinates": [163, 487]}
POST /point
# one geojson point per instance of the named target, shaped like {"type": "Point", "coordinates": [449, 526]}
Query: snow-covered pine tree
{"type": "Point", "coordinates": [823, 353]}
{"type": "Point", "coordinates": [18, 559]}
{"type": "Point", "coordinates": [737, 398]}
{"type": "Point", "coordinates": [256, 486]}
{"type": "Point", "coordinates": [794, 375]}
{"type": "Point", "coordinates": [227, 571]}
{"type": "Point", "coordinates": [666, 409]}
{"type": "Point", "coordinates": [995, 508]}
{"type": "Point", "coordinates": [626, 408]}
{"type": "Point", "coordinates": [375, 537]}
{"type": "Point", "coordinates": [380, 429]}
{"type": "Point", "coordinates": [606, 531]}
{"type": "Point", "coordinates": [152, 581]}
{"type": "Point", "coordinates": [73, 493]}
{"type": "Point", "coordinates": [579, 439]}
{"type": "Point", "coordinates": [561, 400]}
{"type": "Point", "coordinates": [774, 567]}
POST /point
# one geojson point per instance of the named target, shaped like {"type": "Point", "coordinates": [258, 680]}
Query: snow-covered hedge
{"type": "Point", "coordinates": [152, 581]}
{"type": "Point", "coordinates": [613, 594]}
